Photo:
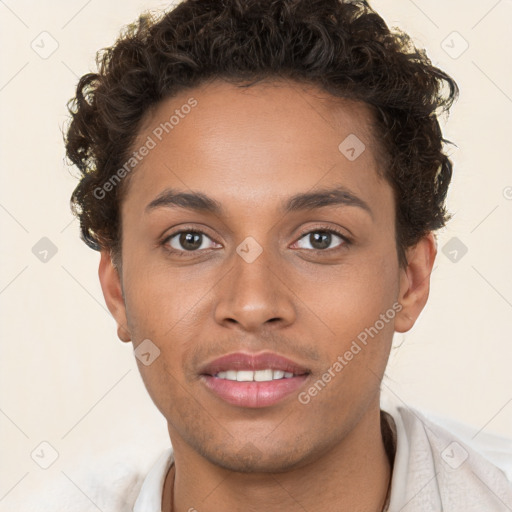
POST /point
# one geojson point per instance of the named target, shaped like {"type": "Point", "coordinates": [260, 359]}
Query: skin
{"type": "Point", "coordinates": [251, 149]}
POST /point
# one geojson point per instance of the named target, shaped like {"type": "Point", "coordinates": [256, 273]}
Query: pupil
{"type": "Point", "coordinates": [190, 241]}
{"type": "Point", "coordinates": [320, 240]}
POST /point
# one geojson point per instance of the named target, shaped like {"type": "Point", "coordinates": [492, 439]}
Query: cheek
{"type": "Point", "coordinates": [169, 308]}
{"type": "Point", "coordinates": [360, 314]}
{"type": "Point", "coordinates": [159, 298]}
{"type": "Point", "coordinates": [359, 307]}
{"type": "Point", "coordinates": [351, 297]}
{"type": "Point", "coordinates": [161, 310]}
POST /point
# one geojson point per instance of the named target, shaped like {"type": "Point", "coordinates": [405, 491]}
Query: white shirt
{"type": "Point", "coordinates": [434, 471]}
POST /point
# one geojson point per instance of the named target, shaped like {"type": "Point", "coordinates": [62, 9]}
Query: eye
{"type": "Point", "coordinates": [188, 241]}
{"type": "Point", "coordinates": [321, 239]}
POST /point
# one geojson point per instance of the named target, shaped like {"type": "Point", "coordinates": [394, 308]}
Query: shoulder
{"type": "Point", "coordinates": [109, 482]}
{"type": "Point", "coordinates": [495, 448]}
{"type": "Point", "coordinates": [442, 463]}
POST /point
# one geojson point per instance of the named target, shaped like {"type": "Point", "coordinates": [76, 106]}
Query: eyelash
{"type": "Point", "coordinates": [324, 229]}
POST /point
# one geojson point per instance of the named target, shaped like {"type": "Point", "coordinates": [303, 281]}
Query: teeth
{"type": "Point", "coordinates": [263, 375]}
{"type": "Point", "coordinates": [256, 376]}
{"type": "Point", "coordinates": [244, 376]}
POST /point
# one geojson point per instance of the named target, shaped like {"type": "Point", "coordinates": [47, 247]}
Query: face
{"type": "Point", "coordinates": [272, 289]}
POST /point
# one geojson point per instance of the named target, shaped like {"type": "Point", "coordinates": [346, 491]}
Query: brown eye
{"type": "Point", "coordinates": [188, 241]}
{"type": "Point", "coordinates": [321, 239]}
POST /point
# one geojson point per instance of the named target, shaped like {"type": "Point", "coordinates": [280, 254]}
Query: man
{"type": "Point", "coordinates": [264, 180]}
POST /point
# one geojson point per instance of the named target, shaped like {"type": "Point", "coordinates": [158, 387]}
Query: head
{"type": "Point", "coordinates": [262, 177]}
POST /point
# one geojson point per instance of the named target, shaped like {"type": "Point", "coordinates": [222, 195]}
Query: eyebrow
{"type": "Point", "coordinates": [338, 196]}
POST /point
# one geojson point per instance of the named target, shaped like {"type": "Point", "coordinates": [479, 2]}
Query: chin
{"type": "Point", "coordinates": [250, 459]}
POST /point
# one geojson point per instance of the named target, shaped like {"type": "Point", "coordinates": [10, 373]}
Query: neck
{"type": "Point", "coordinates": [353, 475]}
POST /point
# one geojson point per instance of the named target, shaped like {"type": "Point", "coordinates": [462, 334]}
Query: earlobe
{"type": "Point", "coordinates": [113, 294]}
{"type": "Point", "coordinates": [415, 282]}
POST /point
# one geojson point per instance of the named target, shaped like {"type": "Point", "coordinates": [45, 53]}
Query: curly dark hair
{"type": "Point", "coordinates": [343, 47]}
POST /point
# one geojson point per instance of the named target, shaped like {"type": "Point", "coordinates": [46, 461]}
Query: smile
{"type": "Point", "coordinates": [256, 376]}
{"type": "Point", "coordinates": [253, 380]}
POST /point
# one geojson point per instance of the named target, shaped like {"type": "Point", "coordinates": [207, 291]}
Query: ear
{"type": "Point", "coordinates": [415, 282]}
{"type": "Point", "coordinates": [112, 291]}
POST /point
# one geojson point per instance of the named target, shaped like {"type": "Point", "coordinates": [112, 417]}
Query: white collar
{"type": "Point", "coordinates": [150, 495]}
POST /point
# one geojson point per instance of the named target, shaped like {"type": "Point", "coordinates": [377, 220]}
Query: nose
{"type": "Point", "coordinates": [254, 295]}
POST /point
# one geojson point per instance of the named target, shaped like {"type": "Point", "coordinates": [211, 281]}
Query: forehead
{"type": "Point", "coordinates": [255, 143]}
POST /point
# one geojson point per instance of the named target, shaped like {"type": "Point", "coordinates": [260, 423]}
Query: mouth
{"type": "Point", "coordinates": [254, 376]}
{"type": "Point", "coordinates": [253, 380]}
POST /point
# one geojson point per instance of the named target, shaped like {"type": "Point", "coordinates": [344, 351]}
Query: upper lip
{"type": "Point", "coordinates": [244, 361]}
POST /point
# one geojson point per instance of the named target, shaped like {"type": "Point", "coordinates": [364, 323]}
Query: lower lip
{"type": "Point", "coordinates": [253, 394]}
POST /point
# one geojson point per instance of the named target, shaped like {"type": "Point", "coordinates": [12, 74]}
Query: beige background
{"type": "Point", "coordinates": [67, 380]}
